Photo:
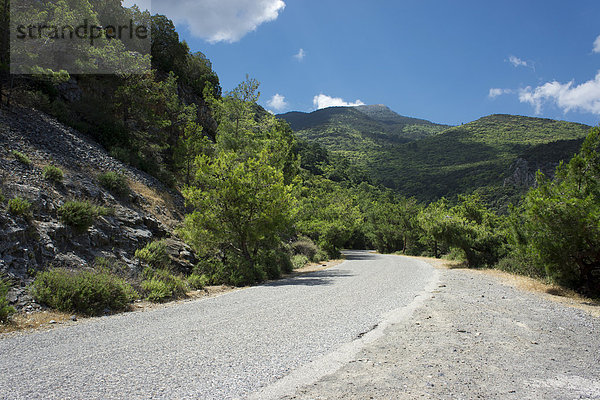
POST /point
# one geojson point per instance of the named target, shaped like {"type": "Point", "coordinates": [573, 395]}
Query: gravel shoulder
{"type": "Point", "coordinates": [477, 335]}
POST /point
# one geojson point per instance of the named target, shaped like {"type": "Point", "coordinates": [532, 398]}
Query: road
{"type": "Point", "coordinates": [232, 346]}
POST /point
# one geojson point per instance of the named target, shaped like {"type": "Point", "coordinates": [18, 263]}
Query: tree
{"type": "Point", "coordinates": [240, 207]}
{"type": "Point", "coordinates": [328, 214]}
{"type": "Point", "coordinates": [391, 223]}
{"type": "Point", "coordinates": [558, 224]}
{"type": "Point", "coordinates": [469, 226]}
{"type": "Point", "coordinates": [242, 192]}
{"type": "Point", "coordinates": [156, 118]}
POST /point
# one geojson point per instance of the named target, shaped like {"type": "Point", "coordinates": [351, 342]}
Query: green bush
{"type": "Point", "coordinates": [214, 270]}
{"type": "Point", "coordinates": [53, 173]}
{"type": "Point", "coordinates": [80, 215]}
{"type": "Point", "coordinates": [306, 247]}
{"type": "Point", "coordinates": [86, 292]}
{"type": "Point", "coordinates": [115, 183]}
{"type": "Point", "coordinates": [197, 282]}
{"type": "Point", "coordinates": [2, 198]}
{"type": "Point", "coordinates": [22, 158]}
{"type": "Point", "coordinates": [161, 285]}
{"type": "Point", "coordinates": [299, 261]}
{"type": "Point", "coordinates": [321, 256]}
{"type": "Point", "coordinates": [19, 206]}
{"type": "Point", "coordinates": [5, 309]}
{"type": "Point", "coordinates": [517, 264]}
{"type": "Point", "coordinates": [154, 254]}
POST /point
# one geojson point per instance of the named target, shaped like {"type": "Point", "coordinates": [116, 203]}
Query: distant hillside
{"type": "Point", "coordinates": [351, 131]}
{"type": "Point", "coordinates": [497, 155]}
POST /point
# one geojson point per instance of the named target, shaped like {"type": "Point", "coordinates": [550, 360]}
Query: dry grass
{"type": "Point", "coordinates": [157, 200]}
{"type": "Point", "coordinates": [35, 321]}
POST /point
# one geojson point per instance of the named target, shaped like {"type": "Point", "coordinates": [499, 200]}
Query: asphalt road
{"type": "Point", "coordinates": [231, 346]}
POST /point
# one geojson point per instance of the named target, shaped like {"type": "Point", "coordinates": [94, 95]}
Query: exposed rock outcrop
{"type": "Point", "coordinates": [28, 244]}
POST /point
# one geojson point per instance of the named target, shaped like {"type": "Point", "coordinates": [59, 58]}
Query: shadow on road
{"type": "Point", "coordinates": [313, 279]}
{"type": "Point", "coordinates": [363, 255]}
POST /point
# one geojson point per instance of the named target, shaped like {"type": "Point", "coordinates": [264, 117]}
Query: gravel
{"type": "Point", "coordinates": [475, 337]}
{"type": "Point", "coordinates": [219, 348]}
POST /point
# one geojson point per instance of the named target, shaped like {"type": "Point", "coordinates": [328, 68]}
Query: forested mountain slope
{"type": "Point", "coordinates": [497, 155]}
{"type": "Point", "coordinates": [352, 131]}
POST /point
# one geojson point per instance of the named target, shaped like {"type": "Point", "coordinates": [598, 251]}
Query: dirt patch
{"type": "Point", "coordinates": [36, 321]}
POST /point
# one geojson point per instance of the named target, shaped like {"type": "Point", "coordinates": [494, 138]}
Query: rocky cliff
{"type": "Point", "coordinates": [28, 244]}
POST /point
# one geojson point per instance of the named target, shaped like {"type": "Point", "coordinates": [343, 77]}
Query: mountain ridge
{"type": "Point", "coordinates": [496, 154]}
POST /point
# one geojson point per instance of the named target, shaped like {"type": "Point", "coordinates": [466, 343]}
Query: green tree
{"type": "Point", "coordinates": [469, 226]}
{"type": "Point", "coordinates": [240, 208]}
{"type": "Point", "coordinates": [328, 214]}
{"type": "Point", "coordinates": [558, 224]}
{"type": "Point", "coordinates": [392, 223]}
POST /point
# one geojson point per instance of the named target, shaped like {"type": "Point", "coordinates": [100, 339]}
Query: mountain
{"type": "Point", "coordinates": [497, 155]}
{"type": "Point", "coordinates": [348, 127]}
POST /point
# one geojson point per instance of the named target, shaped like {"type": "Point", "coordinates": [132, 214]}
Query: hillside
{"type": "Point", "coordinates": [497, 155]}
{"type": "Point", "coordinates": [144, 212]}
{"type": "Point", "coordinates": [486, 153]}
{"type": "Point", "coordinates": [352, 131]}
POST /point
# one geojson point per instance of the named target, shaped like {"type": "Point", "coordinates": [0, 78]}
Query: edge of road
{"type": "Point", "coordinates": [333, 361]}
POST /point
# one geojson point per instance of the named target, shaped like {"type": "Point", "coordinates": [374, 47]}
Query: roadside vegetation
{"type": "Point", "coordinates": [21, 157]}
{"type": "Point", "coordinates": [19, 206]}
{"type": "Point", "coordinates": [86, 292]}
{"type": "Point", "coordinates": [5, 309]}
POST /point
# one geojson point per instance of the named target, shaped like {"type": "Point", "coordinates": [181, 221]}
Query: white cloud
{"type": "Point", "coordinates": [277, 102]}
{"type": "Point", "coordinates": [324, 101]}
{"type": "Point", "coordinates": [597, 45]}
{"type": "Point", "coordinates": [583, 98]}
{"type": "Point", "coordinates": [494, 92]}
{"type": "Point", "coordinates": [300, 56]}
{"type": "Point", "coordinates": [219, 20]}
{"type": "Point", "coordinates": [517, 62]}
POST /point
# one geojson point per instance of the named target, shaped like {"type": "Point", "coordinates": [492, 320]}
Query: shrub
{"type": "Point", "coordinates": [115, 183]}
{"type": "Point", "coordinates": [161, 285]}
{"type": "Point", "coordinates": [2, 198]}
{"type": "Point", "coordinates": [274, 262]}
{"type": "Point", "coordinates": [306, 247]}
{"type": "Point", "coordinates": [214, 270]}
{"type": "Point", "coordinates": [5, 309]}
{"type": "Point", "coordinates": [518, 264]}
{"type": "Point", "coordinates": [321, 256]}
{"type": "Point", "coordinates": [154, 254]}
{"type": "Point", "coordinates": [53, 173]}
{"type": "Point", "coordinates": [299, 261]}
{"type": "Point", "coordinates": [86, 292]}
{"type": "Point", "coordinates": [80, 215]}
{"type": "Point", "coordinates": [19, 206]}
{"type": "Point", "coordinates": [112, 266]}
{"type": "Point", "coordinates": [22, 158]}
{"type": "Point", "coordinates": [197, 282]}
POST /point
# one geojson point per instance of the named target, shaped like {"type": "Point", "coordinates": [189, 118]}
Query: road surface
{"type": "Point", "coordinates": [232, 346]}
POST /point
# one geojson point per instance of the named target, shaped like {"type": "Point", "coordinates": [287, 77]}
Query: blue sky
{"type": "Point", "coordinates": [445, 61]}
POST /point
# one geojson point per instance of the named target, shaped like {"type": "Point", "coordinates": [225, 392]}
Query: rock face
{"type": "Point", "coordinates": [522, 173]}
{"type": "Point", "coordinates": [38, 241]}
